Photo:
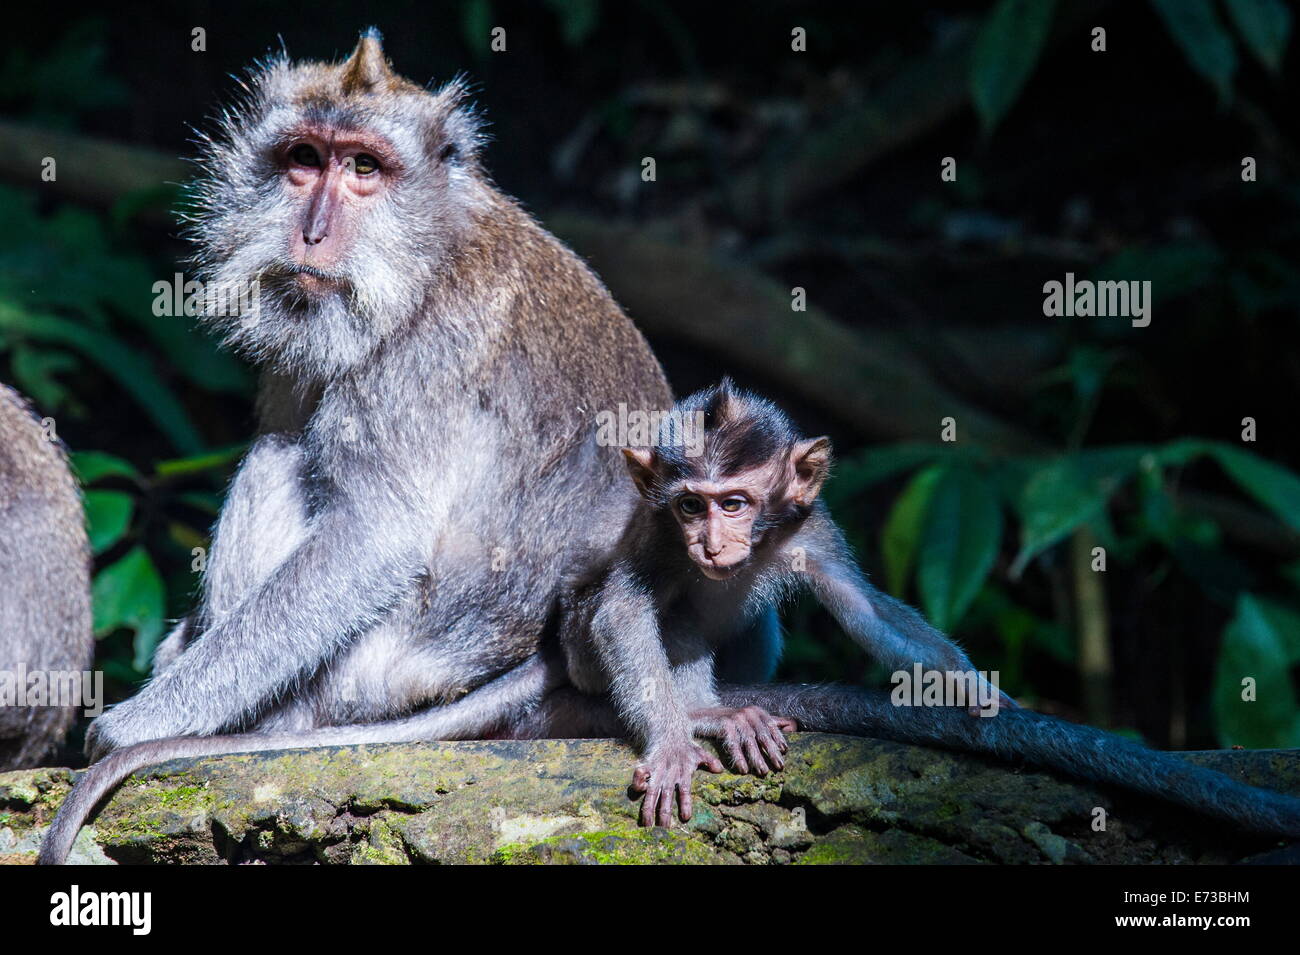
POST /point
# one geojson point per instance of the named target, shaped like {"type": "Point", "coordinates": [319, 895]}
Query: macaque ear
{"type": "Point", "coordinates": [641, 465]}
{"type": "Point", "coordinates": [811, 462]}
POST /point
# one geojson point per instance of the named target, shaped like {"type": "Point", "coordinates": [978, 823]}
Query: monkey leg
{"type": "Point", "coordinates": [172, 645]}
{"type": "Point", "coordinates": [263, 519]}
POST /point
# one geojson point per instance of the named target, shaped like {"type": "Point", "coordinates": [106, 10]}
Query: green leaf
{"type": "Point", "coordinates": [1174, 270]}
{"type": "Point", "coordinates": [1215, 571]}
{"type": "Point", "coordinates": [1256, 645]}
{"type": "Point", "coordinates": [1291, 573]}
{"type": "Point", "coordinates": [901, 536]}
{"type": "Point", "coordinates": [204, 501]}
{"type": "Point", "coordinates": [129, 594]}
{"type": "Point", "coordinates": [1006, 51]}
{"type": "Point", "coordinates": [178, 467]}
{"type": "Point", "coordinates": [36, 371]}
{"type": "Point", "coordinates": [874, 465]}
{"type": "Point", "coordinates": [1271, 484]}
{"type": "Point", "coordinates": [1182, 452]}
{"type": "Point", "coordinates": [1208, 47]}
{"type": "Point", "coordinates": [91, 466]}
{"type": "Point", "coordinates": [186, 537]}
{"type": "Point", "coordinates": [963, 531]}
{"type": "Point", "coordinates": [193, 354]}
{"type": "Point", "coordinates": [1066, 494]}
{"type": "Point", "coordinates": [108, 514]}
{"type": "Point", "coordinates": [1156, 507]}
{"type": "Point", "coordinates": [121, 363]}
{"type": "Point", "coordinates": [1265, 26]}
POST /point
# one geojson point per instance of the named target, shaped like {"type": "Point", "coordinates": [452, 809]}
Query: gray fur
{"type": "Point", "coordinates": [44, 577]}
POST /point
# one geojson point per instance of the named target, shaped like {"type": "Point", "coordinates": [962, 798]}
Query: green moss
{"type": "Point", "coordinates": [632, 847]}
{"type": "Point", "coordinates": [21, 795]}
{"type": "Point", "coordinates": [384, 846]}
{"type": "Point", "coordinates": [947, 810]}
{"type": "Point", "coordinates": [129, 829]}
{"type": "Point", "coordinates": [180, 797]}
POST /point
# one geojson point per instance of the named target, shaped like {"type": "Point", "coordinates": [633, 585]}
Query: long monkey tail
{"type": "Point", "coordinates": [1082, 752]}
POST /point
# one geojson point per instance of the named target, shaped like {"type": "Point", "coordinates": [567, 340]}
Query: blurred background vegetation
{"type": "Point", "coordinates": [775, 170]}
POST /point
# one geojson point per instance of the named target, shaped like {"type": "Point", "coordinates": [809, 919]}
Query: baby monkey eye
{"type": "Point", "coordinates": [304, 155]}
{"type": "Point", "coordinates": [733, 504]}
{"type": "Point", "coordinates": [363, 164]}
{"type": "Point", "coordinates": [690, 505]}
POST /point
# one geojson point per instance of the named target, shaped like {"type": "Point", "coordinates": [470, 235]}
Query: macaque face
{"type": "Point", "coordinates": [717, 522]}
{"type": "Point", "coordinates": [335, 191]}
{"type": "Point", "coordinates": [333, 178]}
{"type": "Point", "coordinates": [724, 517]}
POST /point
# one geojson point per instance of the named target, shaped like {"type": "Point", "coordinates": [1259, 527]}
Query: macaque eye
{"type": "Point", "coordinates": [364, 164]}
{"type": "Point", "coordinates": [449, 152]}
{"type": "Point", "coordinates": [690, 505]}
{"type": "Point", "coordinates": [733, 505]}
{"type": "Point", "coordinates": [304, 155]}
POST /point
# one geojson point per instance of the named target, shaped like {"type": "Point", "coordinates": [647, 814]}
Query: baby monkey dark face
{"type": "Point", "coordinates": [727, 514]}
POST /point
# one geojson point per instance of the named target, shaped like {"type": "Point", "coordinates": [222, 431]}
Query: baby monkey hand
{"type": "Point", "coordinates": [665, 778]}
{"type": "Point", "coordinates": [753, 738]}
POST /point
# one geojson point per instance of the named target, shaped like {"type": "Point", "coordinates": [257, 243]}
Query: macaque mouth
{"type": "Point", "coordinates": [715, 571]}
{"type": "Point", "coordinates": [314, 272]}
{"type": "Point", "coordinates": [308, 278]}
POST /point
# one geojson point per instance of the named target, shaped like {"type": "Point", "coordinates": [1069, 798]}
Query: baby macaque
{"type": "Point", "coordinates": [717, 540]}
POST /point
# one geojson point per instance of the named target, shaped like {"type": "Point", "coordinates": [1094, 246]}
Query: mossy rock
{"type": "Point", "coordinates": [840, 800]}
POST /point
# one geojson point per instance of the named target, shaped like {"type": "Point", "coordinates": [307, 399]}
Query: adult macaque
{"type": "Point", "coordinates": [433, 359]}
{"type": "Point", "coordinates": [44, 582]}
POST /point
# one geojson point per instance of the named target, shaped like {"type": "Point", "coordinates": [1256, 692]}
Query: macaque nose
{"type": "Point", "coordinates": [310, 238]}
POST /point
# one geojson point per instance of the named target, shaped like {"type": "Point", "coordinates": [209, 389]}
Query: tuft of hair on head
{"type": "Point", "coordinates": [744, 431]}
{"type": "Point", "coordinates": [367, 70]}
